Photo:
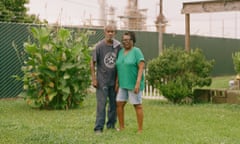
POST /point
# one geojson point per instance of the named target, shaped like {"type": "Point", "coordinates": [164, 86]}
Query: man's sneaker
{"type": "Point", "coordinates": [111, 127]}
{"type": "Point", "coordinates": [97, 132]}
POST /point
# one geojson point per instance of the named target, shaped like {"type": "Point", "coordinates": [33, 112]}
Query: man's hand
{"type": "Point", "coordinates": [94, 83]}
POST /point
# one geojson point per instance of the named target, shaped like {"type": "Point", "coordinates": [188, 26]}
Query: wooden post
{"type": "Point", "coordinates": [187, 32]}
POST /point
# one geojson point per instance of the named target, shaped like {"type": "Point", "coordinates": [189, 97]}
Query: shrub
{"type": "Point", "coordinates": [176, 72]}
{"type": "Point", "coordinates": [56, 71]}
{"type": "Point", "coordinates": [236, 61]}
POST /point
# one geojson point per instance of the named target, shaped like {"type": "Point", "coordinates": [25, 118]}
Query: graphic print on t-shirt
{"type": "Point", "coordinates": [110, 59]}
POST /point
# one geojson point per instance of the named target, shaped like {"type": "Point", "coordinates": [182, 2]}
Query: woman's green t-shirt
{"type": "Point", "coordinates": [127, 68]}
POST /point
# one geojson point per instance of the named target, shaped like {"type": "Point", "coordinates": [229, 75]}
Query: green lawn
{"type": "Point", "coordinates": [164, 123]}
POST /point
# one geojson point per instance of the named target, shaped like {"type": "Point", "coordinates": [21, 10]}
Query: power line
{"type": "Point", "coordinates": [81, 3]}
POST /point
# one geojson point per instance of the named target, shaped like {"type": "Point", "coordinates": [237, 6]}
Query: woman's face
{"type": "Point", "coordinates": [127, 42]}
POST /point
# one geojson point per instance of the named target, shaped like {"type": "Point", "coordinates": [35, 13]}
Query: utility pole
{"type": "Point", "coordinates": [160, 41]}
{"type": "Point", "coordinates": [161, 25]}
{"type": "Point", "coordinates": [102, 12]}
{"type": "Point", "coordinates": [236, 26]}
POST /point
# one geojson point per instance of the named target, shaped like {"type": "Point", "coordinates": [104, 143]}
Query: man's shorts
{"type": "Point", "coordinates": [125, 95]}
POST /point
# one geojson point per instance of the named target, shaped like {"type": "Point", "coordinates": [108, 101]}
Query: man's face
{"type": "Point", "coordinates": [109, 34]}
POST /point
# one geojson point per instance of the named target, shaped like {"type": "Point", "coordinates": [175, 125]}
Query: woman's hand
{"type": "Point", "coordinates": [116, 87]}
{"type": "Point", "coordinates": [137, 89]}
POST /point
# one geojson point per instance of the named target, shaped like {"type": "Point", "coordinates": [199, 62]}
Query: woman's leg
{"type": "Point", "coordinates": [139, 113]}
{"type": "Point", "coordinates": [120, 114]}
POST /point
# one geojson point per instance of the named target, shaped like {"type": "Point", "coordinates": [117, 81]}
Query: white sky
{"type": "Point", "coordinates": [75, 12]}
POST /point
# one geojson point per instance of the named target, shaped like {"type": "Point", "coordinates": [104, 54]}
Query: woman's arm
{"type": "Point", "coordinates": [139, 76]}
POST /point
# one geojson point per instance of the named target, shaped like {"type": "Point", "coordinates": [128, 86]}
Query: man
{"type": "Point", "coordinates": [103, 59]}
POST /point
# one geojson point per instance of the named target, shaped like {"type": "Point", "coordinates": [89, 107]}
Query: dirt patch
{"type": "Point", "coordinates": [11, 98]}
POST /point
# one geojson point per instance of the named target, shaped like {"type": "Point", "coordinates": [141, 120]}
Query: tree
{"type": "Point", "coordinates": [16, 11]}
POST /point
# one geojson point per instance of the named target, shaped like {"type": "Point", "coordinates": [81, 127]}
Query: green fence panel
{"type": "Point", "coordinates": [219, 49]}
{"type": "Point", "coordinates": [19, 33]}
{"type": "Point", "coordinates": [10, 65]}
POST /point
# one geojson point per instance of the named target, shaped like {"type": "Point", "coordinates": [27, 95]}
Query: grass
{"type": "Point", "coordinates": [164, 123]}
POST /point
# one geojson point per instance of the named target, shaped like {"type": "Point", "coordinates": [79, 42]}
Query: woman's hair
{"type": "Point", "coordinates": [132, 36]}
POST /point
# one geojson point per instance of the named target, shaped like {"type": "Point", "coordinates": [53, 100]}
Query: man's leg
{"type": "Point", "coordinates": [112, 114]}
{"type": "Point", "coordinates": [101, 109]}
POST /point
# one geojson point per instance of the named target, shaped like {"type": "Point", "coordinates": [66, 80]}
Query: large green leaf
{"type": "Point", "coordinates": [66, 76]}
{"type": "Point", "coordinates": [30, 48]}
{"type": "Point", "coordinates": [51, 95]}
{"type": "Point", "coordinates": [64, 35]}
{"type": "Point", "coordinates": [66, 66]}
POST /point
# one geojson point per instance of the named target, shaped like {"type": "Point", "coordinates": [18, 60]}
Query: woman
{"type": "Point", "coordinates": [130, 66]}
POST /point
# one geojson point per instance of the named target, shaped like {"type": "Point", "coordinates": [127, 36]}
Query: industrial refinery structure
{"type": "Point", "coordinates": [132, 18]}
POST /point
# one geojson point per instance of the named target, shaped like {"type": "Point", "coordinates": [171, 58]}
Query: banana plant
{"type": "Point", "coordinates": [56, 70]}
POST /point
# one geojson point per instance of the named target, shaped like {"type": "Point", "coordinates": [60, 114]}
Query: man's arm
{"type": "Point", "coordinates": [93, 74]}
